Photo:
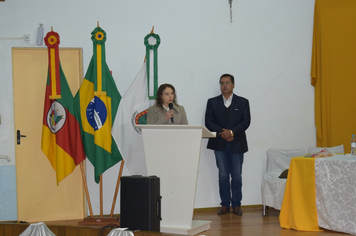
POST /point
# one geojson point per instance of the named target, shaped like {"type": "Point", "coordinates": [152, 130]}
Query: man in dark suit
{"type": "Point", "coordinates": [229, 116]}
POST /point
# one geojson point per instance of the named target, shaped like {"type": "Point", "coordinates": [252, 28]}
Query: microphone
{"type": "Point", "coordinates": [170, 105]}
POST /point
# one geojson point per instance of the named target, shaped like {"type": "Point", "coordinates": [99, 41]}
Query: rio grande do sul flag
{"type": "Point", "coordinates": [61, 139]}
{"type": "Point", "coordinates": [96, 105]}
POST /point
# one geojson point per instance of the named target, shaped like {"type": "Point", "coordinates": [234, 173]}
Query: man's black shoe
{"type": "Point", "coordinates": [223, 210]}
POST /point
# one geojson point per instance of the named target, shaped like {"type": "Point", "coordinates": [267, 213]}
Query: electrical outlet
{"type": "Point", "coordinates": [27, 37]}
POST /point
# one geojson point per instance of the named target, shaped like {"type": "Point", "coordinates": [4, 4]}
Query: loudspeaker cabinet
{"type": "Point", "coordinates": [140, 203]}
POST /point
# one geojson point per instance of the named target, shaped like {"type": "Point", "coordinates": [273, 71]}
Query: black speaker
{"type": "Point", "coordinates": [140, 203]}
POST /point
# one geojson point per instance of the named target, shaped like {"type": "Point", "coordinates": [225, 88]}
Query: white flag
{"type": "Point", "coordinates": [133, 105]}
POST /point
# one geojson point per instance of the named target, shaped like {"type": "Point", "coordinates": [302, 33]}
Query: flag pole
{"type": "Point", "coordinates": [117, 187]}
{"type": "Point", "coordinates": [86, 189]}
{"type": "Point", "coordinates": [101, 178]}
{"type": "Point", "coordinates": [102, 221]}
{"type": "Point", "coordinates": [101, 196]}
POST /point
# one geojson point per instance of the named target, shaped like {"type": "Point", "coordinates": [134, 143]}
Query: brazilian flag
{"type": "Point", "coordinates": [96, 105]}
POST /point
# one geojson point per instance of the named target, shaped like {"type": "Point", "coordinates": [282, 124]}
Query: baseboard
{"type": "Point", "coordinates": [203, 209]}
{"type": "Point", "coordinates": [244, 207]}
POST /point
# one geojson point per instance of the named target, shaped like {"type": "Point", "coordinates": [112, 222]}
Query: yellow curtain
{"type": "Point", "coordinates": [333, 71]}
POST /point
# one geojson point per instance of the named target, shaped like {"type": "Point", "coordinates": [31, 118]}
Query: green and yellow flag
{"type": "Point", "coordinates": [96, 104]}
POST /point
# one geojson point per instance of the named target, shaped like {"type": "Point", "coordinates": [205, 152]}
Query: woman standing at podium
{"type": "Point", "coordinates": [166, 110]}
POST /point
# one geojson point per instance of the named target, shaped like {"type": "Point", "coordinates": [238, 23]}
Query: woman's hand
{"type": "Point", "coordinates": [169, 114]}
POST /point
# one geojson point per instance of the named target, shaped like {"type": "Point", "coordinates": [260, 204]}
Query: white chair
{"type": "Point", "coordinates": [39, 228]}
{"type": "Point", "coordinates": [272, 187]}
{"type": "Point", "coordinates": [120, 232]}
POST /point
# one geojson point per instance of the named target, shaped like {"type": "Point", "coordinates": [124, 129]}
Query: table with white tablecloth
{"type": "Point", "coordinates": [335, 188]}
{"type": "Point", "coordinates": [321, 192]}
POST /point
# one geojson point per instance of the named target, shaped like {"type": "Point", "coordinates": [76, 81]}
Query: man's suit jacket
{"type": "Point", "coordinates": [239, 120]}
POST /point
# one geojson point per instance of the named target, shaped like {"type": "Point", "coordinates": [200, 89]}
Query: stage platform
{"type": "Point", "coordinates": [67, 228]}
{"type": "Point", "coordinates": [250, 222]}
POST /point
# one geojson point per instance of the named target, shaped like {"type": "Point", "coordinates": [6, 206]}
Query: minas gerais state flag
{"type": "Point", "coordinates": [96, 105]}
{"type": "Point", "coordinates": [61, 139]}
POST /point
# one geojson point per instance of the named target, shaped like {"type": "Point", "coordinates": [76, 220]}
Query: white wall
{"type": "Point", "coordinates": [267, 48]}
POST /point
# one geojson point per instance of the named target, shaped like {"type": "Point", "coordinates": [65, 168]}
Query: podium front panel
{"type": "Point", "coordinates": [173, 155]}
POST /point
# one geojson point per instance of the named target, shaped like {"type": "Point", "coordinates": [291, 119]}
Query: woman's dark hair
{"type": "Point", "coordinates": [159, 100]}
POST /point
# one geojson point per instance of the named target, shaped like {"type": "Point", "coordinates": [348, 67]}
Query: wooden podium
{"type": "Point", "coordinates": [172, 153]}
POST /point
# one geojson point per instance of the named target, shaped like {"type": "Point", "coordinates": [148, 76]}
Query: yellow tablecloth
{"type": "Point", "coordinates": [299, 207]}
